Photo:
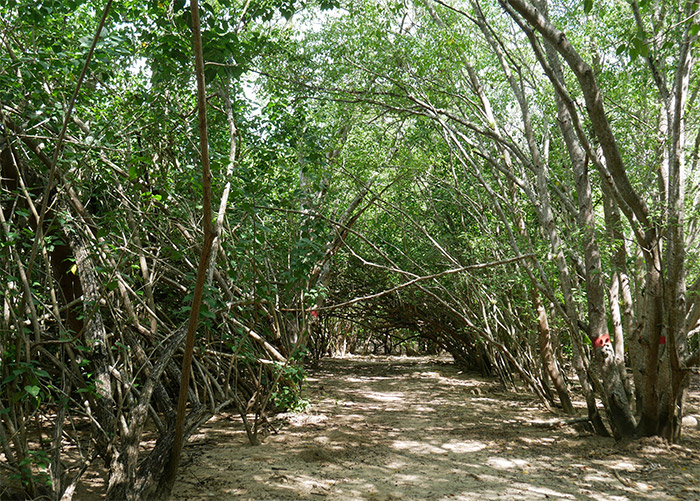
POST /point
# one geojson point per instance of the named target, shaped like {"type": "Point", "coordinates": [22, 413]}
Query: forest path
{"type": "Point", "coordinates": [416, 428]}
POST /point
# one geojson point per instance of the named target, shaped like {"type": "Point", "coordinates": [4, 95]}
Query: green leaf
{"type": "Point", "coordinates": [205, 313]}
{"type": "Point", "coordinates": [587, 6]}
{"type": "Point", "coordinates": [32, 390]}
{"type": "Point", "coordinates": [644, 50]}
{"type": "Point", "coordinates": [638, 43]}
{"type": "Point", "coordinates": [133, 172]}
{"type": "Point", "coordinates": [329, 4]}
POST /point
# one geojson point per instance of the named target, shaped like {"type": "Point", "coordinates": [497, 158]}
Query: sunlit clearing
{"type": "Point", "coordinates": [464, 447]}
{"type": "Point", "coordinates": [415, 446]}
{"type": "Point", "coordinates": [506, 464]}
{"type": "Point", "coordinates": [385, 397]}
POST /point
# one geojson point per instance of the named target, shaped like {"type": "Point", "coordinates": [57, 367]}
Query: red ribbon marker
{"type": "Point", "coordinates": [314, 313]}
{"type": "Point", "coordinates": [601, 341]}
{"type": "Point", "coordinates": [662, 340]}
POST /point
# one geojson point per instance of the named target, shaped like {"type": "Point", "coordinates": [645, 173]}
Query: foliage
{"type": "Point", "coordinates": [389, 173]}
{"type": "Point", "coordinates": [288, 395]}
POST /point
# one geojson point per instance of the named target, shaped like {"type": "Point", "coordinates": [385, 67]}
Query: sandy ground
{"type": "Point", "coordinates": [415, 428]}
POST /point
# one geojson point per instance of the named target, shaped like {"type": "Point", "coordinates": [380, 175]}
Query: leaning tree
{"type": "Point", "coordinates": [572, 121]}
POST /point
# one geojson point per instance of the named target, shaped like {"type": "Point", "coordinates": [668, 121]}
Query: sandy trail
{"type": "Point", "coordinates": [412, 428]}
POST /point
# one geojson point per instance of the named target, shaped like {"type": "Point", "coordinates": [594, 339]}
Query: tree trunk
{"type": "Point", "coordinates": [604, 356]}
{"type": "Point", "coordinates": [547, 353]}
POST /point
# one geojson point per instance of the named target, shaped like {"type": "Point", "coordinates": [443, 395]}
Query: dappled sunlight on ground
{"type": "Point", "coordinates": [412, 428]}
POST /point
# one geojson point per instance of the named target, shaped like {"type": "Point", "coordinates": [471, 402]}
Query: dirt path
{"type": "Point", "coordinates": [411, 428]}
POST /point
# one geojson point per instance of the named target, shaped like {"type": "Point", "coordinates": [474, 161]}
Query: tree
{"type": "Point", "coordinates": [661, 238]}
{"type": "Point", "coordinates": [519, 190]}
{"type": "Point", "coordinates": [478, 79]}
{"type": "Point", "coordinates": [99, 238]}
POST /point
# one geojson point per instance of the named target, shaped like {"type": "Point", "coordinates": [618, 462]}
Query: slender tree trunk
{"type": "Point", "coordinates": [169, 475]}
{"type": "Point", "coordinates": [675, 286]}
{"type": "Point", "coordinates": [619, 286]}
{"type": "Point", "coordinates": [545, 341]}
{"type": "Point", "coordinates": [549, 361]}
